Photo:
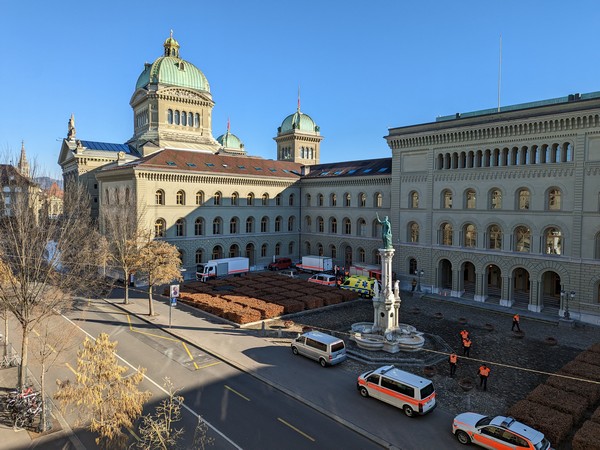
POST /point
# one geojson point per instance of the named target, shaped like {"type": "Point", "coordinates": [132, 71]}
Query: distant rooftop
{"type": "Point", "coordinates": [108, 147]}
{"type": "Point", "coordinates": [552, 101]}
{"type": "Point", "coordinates": [382, 166]}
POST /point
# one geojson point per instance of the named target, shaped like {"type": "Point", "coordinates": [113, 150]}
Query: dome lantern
{"type": "Point", "coordinates": [171, 46]}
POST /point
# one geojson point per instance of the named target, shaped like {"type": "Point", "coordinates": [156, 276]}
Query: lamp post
{"type": "Point", "coordinates": [563, 301]}
{"type": "Point", "coordinates": [572, 295]}
{"type": "Point", "coordinates": [420, 273]}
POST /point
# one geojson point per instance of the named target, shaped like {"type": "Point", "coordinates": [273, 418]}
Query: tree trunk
{"type": "Point", "coordinates": [150, 304]}
{"type": "Point", "coordinates": [5, 331]}
{"type": "Point", "coordinates": [43, 426]}
{"type": "Point", "coordinates": [126, 300]}
{"type": "Point", "coordinates": [22, 381]}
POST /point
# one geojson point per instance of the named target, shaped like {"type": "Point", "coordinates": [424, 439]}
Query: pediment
{"type": "Point", "coordinates": [66, 153]}
{"type": "Point", "coordinates": [187, 94]}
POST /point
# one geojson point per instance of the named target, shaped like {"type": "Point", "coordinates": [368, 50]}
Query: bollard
{"type": "Point", "coordinates": [262, 329]}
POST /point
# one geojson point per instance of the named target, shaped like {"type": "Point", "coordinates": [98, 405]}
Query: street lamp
{"type": "Point", "coordinates": [572, 295]}
{"type": "Point", "coordinates": [420, 273]}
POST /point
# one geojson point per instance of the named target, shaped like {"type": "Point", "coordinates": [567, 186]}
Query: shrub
{"type": "Point", "coordinates": [554, 424]}
{"type": "Point", "coordinates": [560, 400]}
{"type": "Point", "coordinates": [587, 437]}
{"type": "Point", "coordinates": [589, 391]}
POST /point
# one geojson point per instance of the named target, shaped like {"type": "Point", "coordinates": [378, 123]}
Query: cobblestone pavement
{"type": "Point", "coordinates": [518, 363]}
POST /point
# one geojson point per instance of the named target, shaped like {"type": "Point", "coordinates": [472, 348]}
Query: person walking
{"type": "Point", "coordinates": [484, 373]}
{"type": "Point", "coordinates": [413, 284]}
{"type": "Point", "coordinates": [516, 321]}
{"type": "Point", "coordinates": [467, 346]}
{"type": "Point", "coordinates": [464, 334]}
{"type": "Point", "coordinates": [452, 361]}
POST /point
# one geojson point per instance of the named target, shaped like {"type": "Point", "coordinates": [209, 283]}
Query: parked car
{"type": "Point", "coordinates": [324, 279]}
{"type": "Point", "coordinates": [280, 263]}
{"type": "Point", "coordinates": [362, 285]}
{"type": "Point", "coordinates": [326, 349]}
{"type": "Point", "coordinates": [498, 432]}
{"type": "Point", "coordinates": [292, 273]}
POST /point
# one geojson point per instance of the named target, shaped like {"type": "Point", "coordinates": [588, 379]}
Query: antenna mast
{"type": "Point", "coordinates": [500, 72]}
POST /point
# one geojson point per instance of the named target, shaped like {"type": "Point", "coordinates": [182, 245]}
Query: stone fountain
{"type": "Point", "coordinates": [386, 333]}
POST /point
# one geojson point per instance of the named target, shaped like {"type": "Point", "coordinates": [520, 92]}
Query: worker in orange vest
{"type": "Point", "coordinates": [484, 373]}
{"type": "Point", "coordinates": [464, 334]}
{"type": "Point", "coordinates": [452, 360]}
{"type": "Point", "coordinates": [466, 346]}
{"type": "Point", "coordinates": [516, 320]}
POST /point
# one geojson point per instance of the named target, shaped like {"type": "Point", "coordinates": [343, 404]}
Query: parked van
{"type": "Point", "coordinates": [323, 278]}
{"type": "Point", "coordinates": [361, 284]}
{"type": "Point", "coordinates": [326, 349]}
{"type": "Point", "coordinates": [280, 263]}
{"type": "Point", "coordinates": [411, 393]}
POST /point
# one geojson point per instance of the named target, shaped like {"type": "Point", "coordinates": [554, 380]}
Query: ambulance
{"type": "Point", "coordinates": [362, 285]}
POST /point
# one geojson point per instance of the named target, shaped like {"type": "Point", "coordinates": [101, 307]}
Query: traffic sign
{"type": "Point", "coordinates": [174, 290]}
{"type": "Point", "coordinates": [173, 301]}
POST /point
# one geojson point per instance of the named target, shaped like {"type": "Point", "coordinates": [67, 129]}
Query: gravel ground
{"type": "Point", "coordinates": [518, 364]}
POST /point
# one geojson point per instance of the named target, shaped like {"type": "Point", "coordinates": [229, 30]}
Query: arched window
{"type": "Point", "coordinates": [553, 238]}
{"type": "Point", "coordinates": [263, 250]}
{"type": "Point", "coordinates": [347, 200]}
{"type": "Point", "coordinates": [264, 224]}
{"type": "Point", "coordinates": [199, 256]}
{"type": "Point", "coordinates": [265, 199]}
{"type": "Point", "coordinates": [170, 116]}
{"type": "Point", "coordinates": [333, 225]}
{"type": "Point", "coordinates": [278, 220]}
{"type": "Point", "coordinates": [176, 119]}
{"type": "Point", "coordinates": [308, 223]}
{"type": "Point", "coordinates": [180, 227]}
{"type": "Point", "coordinates": [554, 199]}
{"type": "Point", "coordinates": [347, 226]}
{"type": "Point", "coordinates": [159, 197]}
{"type": "Point", "coordinates": [413, 232]}
{"type": "Point", "coordinates": [320, 225]}
{"type": "Point", "coordinates": [319, 199]}
{"type": "Point", "coordinates": [217, 226]}
{"type": "Point", "coordinates": [522, 239]}
{"type": "Point", "coordinates": [470, 199]}
{"type": "Point", "coordinates": [362, 200]}
{"type": "Point", "coordinates": [180, 198]}
{"type": "Point", "coordinates": [470, 235]}
{"type": "Point", "coordinates": [250, 225]}
{"type": "Point", "coordinates": [217, 199]}
{"type": "Point", "coordinates": [234, 251]}
{"type": "Point", "coordinates": [278, 200]}
{"type": "Point", "coordinates": [291, 248]}
{"type": "Point", "coordinates": [597, 246]}
{"type": "Point", "coordinates": [291, 200]}
{"type": "Point", "coordinates": [308, 199]}
{"type": "Point", "coordinates": [412, 266]}
{"type": "Point", "coordinates": [378, 200]}
{"type": "Point", "coordinates": [278, 249]}
{"type": "Point", "coordinates": [190, 119]}
{"type": "Point", "coordinates": [291, 223]}
{"type": "Point", "coordinates": [333, 250]}
{"type": "Point", "coordinates": [414, 200]}
{"type": "Point", "coordinates": [523, 199]}
{"type": "Point", "coordinates": [361, 227]}
{"type": "Point", "coordinates": [217, 252]}
{"type": "Point", "coordinates": [320, 249]}
{"type": "Point", "coordinates": [250, 199]}
{"type": "Point", "coordinates": [159, 228]}
{"type": "Point", "coordinates": [199, 198]}
{"type": "Point", "coordinates": [235, 199]}
{"type": "Point", "coordinates": [496, 199]}
{"type": "Point", "coordinates": [494, 237]}
{"type": "Point", "coordinates": [199, 226]}
{"type": "Point", "coordinates": [446, 230]}
{"type": "Point", "coordinates": [184, 118]}
{"type": "Point", "coordinates": [233, 225]}
{"type": "Point", "coordinates": [196, 120]}
{"type": "Point", "coordinates": [361, 255]}
{"type": "Point", "coordinates": [446, 198]}
{"type": "Point", "coordinates": [333, 200]}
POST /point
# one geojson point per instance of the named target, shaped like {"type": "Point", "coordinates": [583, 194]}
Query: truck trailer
{"type": "Point", "coordinates": [316, 264]}
{"type": "Point", "coordinates": [219, 268]}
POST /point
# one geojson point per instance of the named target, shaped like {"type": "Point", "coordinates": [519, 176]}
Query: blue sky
{"type": "Point", "coordinates": [362, 66]}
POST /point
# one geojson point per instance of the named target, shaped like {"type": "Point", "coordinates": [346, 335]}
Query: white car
{"type": "Point", "coordinates": [292, 273]}
{"type": "Point", "coordinates": [498, 432]}
{"type": "Point", "coordinates": [323, 278]}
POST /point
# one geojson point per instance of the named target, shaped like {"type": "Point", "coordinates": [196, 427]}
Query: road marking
{"type": "Point", "coordinates": [71, 369]}
{"type": "Point", "coordinates": [208, 365]}
{"type": "Point", "coordinates": [158, 386]}
{"type": "Point", "coordinates": [296, 429]}
{"type": "Point", "coordinates": [189, 354]}
{"type": "Point", "coordinates": [149, 334]}
{"type": "Point", "coordinates": [137, 438]}
{"type": "Point", "coordinates": [236, 392]}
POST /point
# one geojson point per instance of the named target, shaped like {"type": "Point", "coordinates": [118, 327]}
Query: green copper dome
{"type": "Point", "coordinates": [298, 121]}
{"type": "Point", "coordinates": [230, 140]}
{"type": "Point", "coordinates": [170, 69]}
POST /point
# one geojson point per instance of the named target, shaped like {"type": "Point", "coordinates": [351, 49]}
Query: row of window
{"type": "Point", "coordinates": [494, 199]}
{"type": "Point", "coordinates": [552, 243]}
{"type": "Point", "coordinates": [186, 119]}
{"type": "Point", "coordinates": [305, 152]}
{"type": "Point", "coordinates": [515, 156]}
{"type": "Point", "coordinates": [217, 199]}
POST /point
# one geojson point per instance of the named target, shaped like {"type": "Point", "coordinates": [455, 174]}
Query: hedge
{"type": "Point", "coordinates": [560, 400]}
{"type": "Point", "coordinates": [589, 391]}
{"type": "Point", "coordinates": [554, 424]}
{"type": "Point", "coordinates": [587, 437]}
{"type": "Point", "coordinates": [589, 358]}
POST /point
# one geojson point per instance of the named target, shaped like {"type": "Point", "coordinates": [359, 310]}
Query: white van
{"type": "Point", "coordinates": [326, 349]}
{"type": "Point", "coordinates": [412, 393]}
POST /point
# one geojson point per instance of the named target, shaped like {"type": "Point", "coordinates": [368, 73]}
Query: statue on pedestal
{"type": "Point", "coordinates": [386, 232]}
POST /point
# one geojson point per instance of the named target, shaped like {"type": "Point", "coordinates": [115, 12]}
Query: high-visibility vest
{"type": "Point", "coordinates": [467, 343]}
{"type": "Point", "coordinates": [464, 334]}
{"type": "Point", "coordinates": [516, 317]}
{"type": "Point", "coordinates": [484, 371]}
{"type": "Point", "coordinates": [453, 358]}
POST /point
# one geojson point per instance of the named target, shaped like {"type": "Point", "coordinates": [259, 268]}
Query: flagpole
{"type": "Point", "coordinates": [500, 72]}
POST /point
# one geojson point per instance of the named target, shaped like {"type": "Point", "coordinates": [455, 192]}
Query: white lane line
{"type": "Point", "coordinates": [158, 387]}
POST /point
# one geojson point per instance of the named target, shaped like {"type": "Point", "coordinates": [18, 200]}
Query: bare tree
{"type": "Point", "coordinates": [104, 393]}
{"type": "Point", "coordinates": [125, 234]}
{"type": "Point", "coordinates": [157, 431]}
{"type": "Point", "coordinates": [160, 262]}
{"type": "Point", "coordinates": [49, 260]}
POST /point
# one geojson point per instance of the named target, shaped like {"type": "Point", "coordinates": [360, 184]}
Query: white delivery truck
{"type": "Point", "coordinates": [316, 264]}
{"type": "Point", "coordinates": [218, 268]}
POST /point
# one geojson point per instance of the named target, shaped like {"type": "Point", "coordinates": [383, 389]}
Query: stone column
{"type": "Point", "coordinates": [386, 305]}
